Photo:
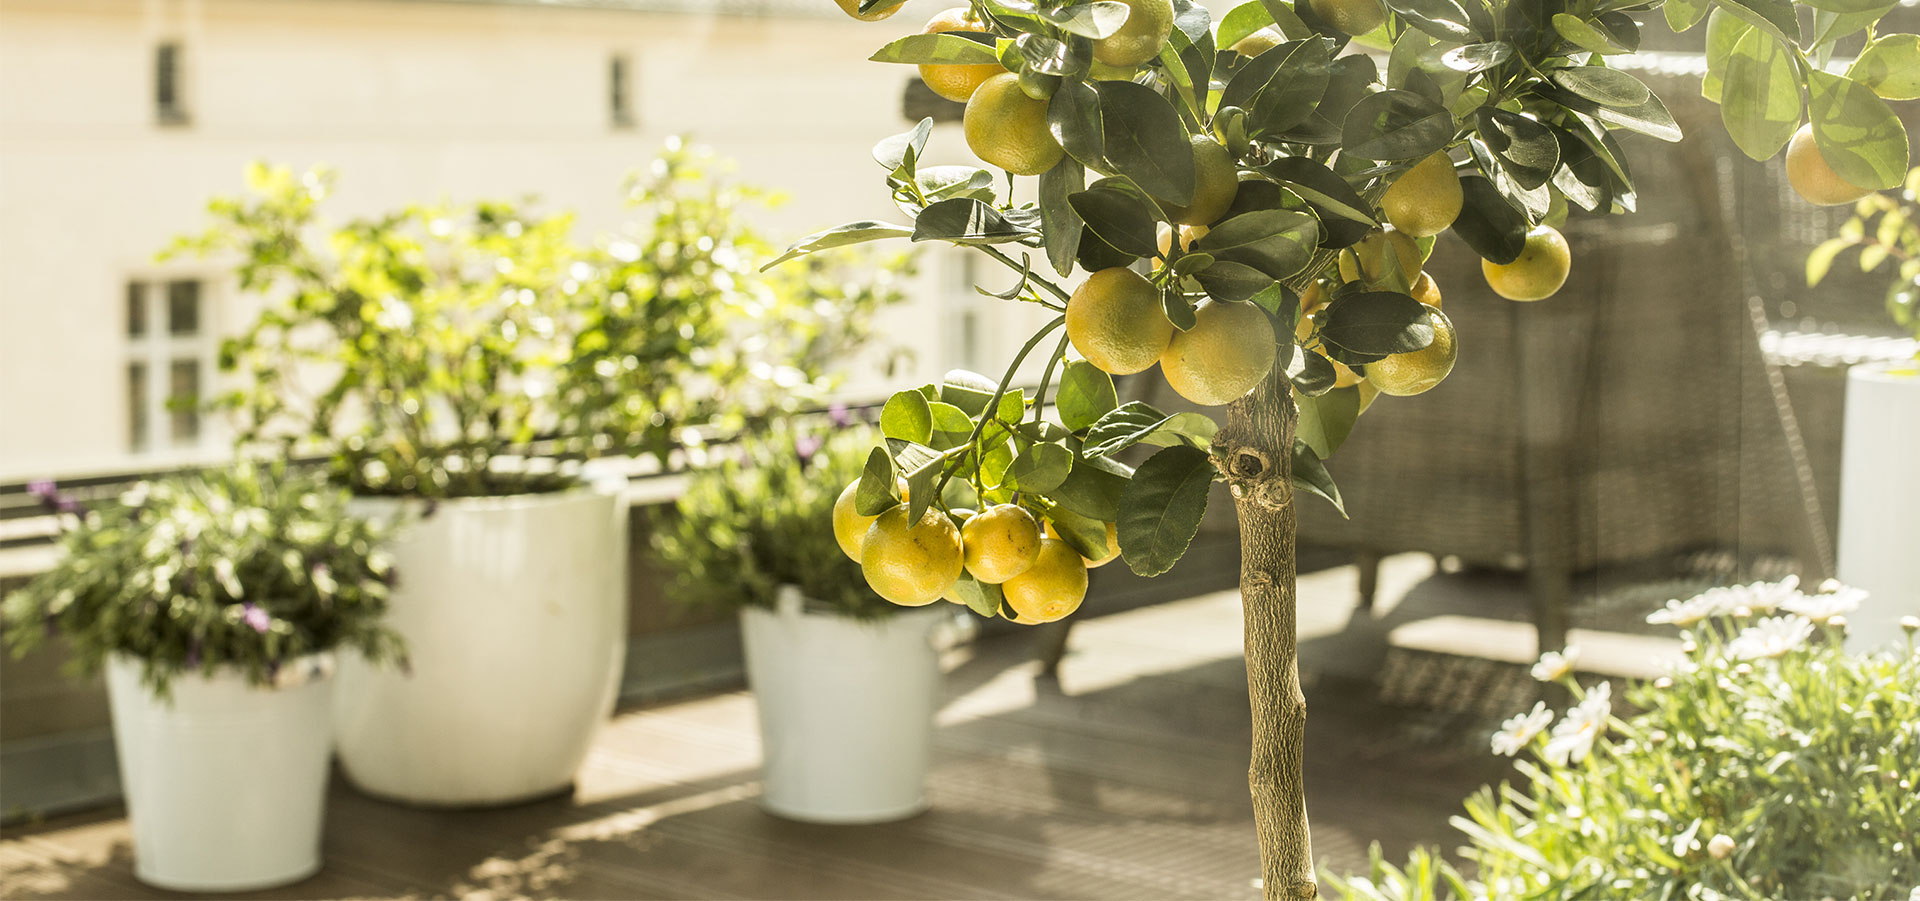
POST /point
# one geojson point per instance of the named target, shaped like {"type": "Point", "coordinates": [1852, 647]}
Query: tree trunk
{"type": "Point", "coordinates": [1255, 452]}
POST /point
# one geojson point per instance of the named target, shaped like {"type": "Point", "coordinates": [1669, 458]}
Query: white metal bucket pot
{"type": "Point", "coordinates": [1879, 492]}
{"type": "Point", "coordinates": [226, 785]}
{"type": "Point", "coordinates": [514, 610]}
{"type": "Point", "coordinates": [846, 710]}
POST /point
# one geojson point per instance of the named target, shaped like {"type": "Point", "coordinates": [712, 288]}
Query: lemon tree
{"type": "Point", "coordinates": [1244, 208]}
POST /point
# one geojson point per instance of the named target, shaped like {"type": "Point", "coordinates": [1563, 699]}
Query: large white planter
{"type": "Point", "coordinates": [846, 710]}
{"type": "Point", "coordinates": [514, 610]}
{"type": "Point", "coordinates": [226, 785]}
{"type": "Point", "coordinates": [1880, 499]}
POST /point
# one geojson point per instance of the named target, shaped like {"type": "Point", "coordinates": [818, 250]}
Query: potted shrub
{"type": "Point", "coordinates": [461, 362]}
{"type": "Point", "coordinates": [1882, 426]}
{"type": "Point", "coordinates": [845, 681]}
{"type": "Point", "coordinates": [215, 604]}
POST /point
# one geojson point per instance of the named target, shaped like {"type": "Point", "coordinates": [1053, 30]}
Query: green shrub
{"type": "Point", "coordinates": [246, 568]}
{"type": "Point", "coordinates": [762, 517]}
{"type": "Point", "coordinates": [1771, 764]}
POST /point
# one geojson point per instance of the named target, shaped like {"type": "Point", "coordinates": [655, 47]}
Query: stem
{"type": "Point", "coordinates": [1032, 277]}
{"type": "Point", "coordinates": [1046, 378]}
{"type": "Point", "coordinates": [1005, 380]}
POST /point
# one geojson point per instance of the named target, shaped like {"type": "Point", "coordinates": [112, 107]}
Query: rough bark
{"type": "Point", "coordinates": [1255, 452]}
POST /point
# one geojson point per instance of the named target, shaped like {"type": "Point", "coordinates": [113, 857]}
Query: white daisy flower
{"type": "Point", "coordinates": [1685, 613]}
{"type": "Point", "coordinates": [1574, 735]}
{"type": "Point", "coordinates": [1770, 637]}
{"type": "Point", "coordinates": [1720, 846]}
{"type": "Point", "coordinates": [1555, 664]}
{"type": "Point", "coordinates": [1766, 597]}
{"type": "Point", "coordinates": [1823, 607]}
{"type": "Point", "coordinates": [1517, 731]}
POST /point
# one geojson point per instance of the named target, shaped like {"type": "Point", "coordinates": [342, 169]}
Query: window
{"type": "Point", "coordinates": [169, 360]}
{"type": "Point", "coordinates": [168, 91]}
{"type": "Point", "coordinates": [964, 308]}
{"type": "Point", "coordinates": [620, 91]}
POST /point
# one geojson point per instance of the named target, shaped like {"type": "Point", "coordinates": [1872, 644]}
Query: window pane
{"type": "Point", "coordinates": [619, 97]}
{"type": "Point", "coordinates": [183, 401]}
{"type": "Point", "coordinates": [136, 310]}
{"type": "Point", "coordinates": [183, 307]}
{"type": "Point", "coordinates": [166, 66]}
{"type": "Point", "coordinates": [137, 436]}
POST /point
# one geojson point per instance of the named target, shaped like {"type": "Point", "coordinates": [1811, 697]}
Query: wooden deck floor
{"type": "Point", "coordinates": [1124, 779]}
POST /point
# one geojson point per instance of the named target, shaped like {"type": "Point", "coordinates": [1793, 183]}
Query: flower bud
{"type": "Point", "coordinates": [1742, 612]}
{"type": "Point", "coordinates": [1838, 622]}
{"type": "Point", "coordinates": [1720, 846]}
{"type": "Point", "coordinates": [1910, 623]}
{"type": "Point", "coordinates": [1663, 682]}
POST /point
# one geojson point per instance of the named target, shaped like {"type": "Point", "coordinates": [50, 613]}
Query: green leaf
{"type": "Point", "coordinates": [1041, 468]}
{"type": "Point", "coordinates": [1608, 95]}
{"type": "Point", "coordinates": [1276, 243]}
{"type": "Point", "coordinates": [1396, 125]}
{"type": "Point", "coordinates": [1084, 534]}
{"type": "Point", "coordinates": [1682, 15]}
{"type": "Point", "coordinates": [902, 150]}
{"type": "Point", "coordinates": [876, 491]}
{"type": "Point", "coordinates": [1120, 217]}
{"type": "Point", "coordinates": [951, 426]}
{"type": "Point", "coordinates": [1179, 308]}
{"type": "Point", "coordinates": [1494, 228]}
{"type": "Point", "coordinates": [983, 598]}
{"type": "Point", "coordinates": [1085, 395]}
{"type": "Point", "coordinates": [1890, 66]}
{"type": "Point", "coordinates": [907, 417]}
{"type": "Point", "coordinates": [1310, 475]}
{"type": "Point", "coordinates": [1775, 16]}
{"type": "Point", "coordinates": [963, 220]}
{"type": "Point", "coordinates": [968, 390]}
{"type": "Point", "coordinates": [1074, 117]}
{"type": "Point", "coordinates": [1582, 177]}
{"type": "Point", "coordinates": [1760, 97]}
{"type": "Point", "coordinates": [944, 182]}
{"type": "Point", "coordinates": [1476, 57]}
{"type": "Point", "coordinates": [1377, 322]}
{"type": "Point", "coordinates": [1057, 217]}
{"type": "Point", "coordinates": [1584, 35]}
{"type": "Point", "coordinates": [1724, 32]}
{"type": "Point", "coordinates": [1162, 507]}
{"type": "Point", "coordinates": [1232, 281]}
{"type": "Point", "coordinates": [1096, 20]}
{"type": "Point", "coordinates": [922, 466]}
{"type": "Point", "coordinates": [1243, 20]}
{"type": "Point", "coordinates": [1285, 19]}
{"type": "Point", "coordinates": [1140, 423]}
{"type": "Point", "coordinates": [1442, 19]}
{"type": "Point", "coordinates": [1821, 259]}
{"type": "Point", "coordinates": [952, 48]}
{"type": "Point", "coordinates": [1604, 86]}
{"type": "Point", "coordinates": [1093, 490]}
{"type": "Point", "coordinates": [1832, 26]}
{"type": "Point", "coordinates": [1312, 373]}
{"type": "Point", "coordinates": [840, 236]}
{"type": "Point", "coordinates": [1292, 92]}
{"type": "Point", "coordinates": [1350, 79]}
{"type": "Point", "coordinates": [1327, 420]}
{"type": "Point", "coordinates": [1145, 141]}
{"type": "Point", "coordinates": [1526, 149]}
{"type": "Point", "coordinates": [1344, 217]}
{"type": "Point", "coordinates": [1858, 134]}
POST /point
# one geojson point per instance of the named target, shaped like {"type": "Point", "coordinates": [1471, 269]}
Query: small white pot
{"type": "Point", "coordinates": [846, 709]}
{"type": "Point", "coordinates": [514, 610]}
{"type": "Point", "coordinates": [1879, 497]}
{"type": "Point", "coordinates": [226, 785]}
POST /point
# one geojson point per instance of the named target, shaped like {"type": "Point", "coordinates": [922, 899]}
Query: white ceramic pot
{"type": "Point", "coordinates": [226, 785]}
{"type": "Point", "coordinates": [514, 610]}
{"type": "Point", "coordinates": [846, 709]}
{"type": "Point", "coordinates": [1879, 497]}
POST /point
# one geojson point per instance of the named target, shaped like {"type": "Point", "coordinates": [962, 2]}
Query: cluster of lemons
{"type": "Point", "coordinates": [914, 564]}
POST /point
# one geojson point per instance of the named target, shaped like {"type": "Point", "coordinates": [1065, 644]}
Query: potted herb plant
{"type": "Point", "coordinates": [462, 362]}
{"type": "Point", "coordinates": [845, 680]}
{"type": "Point", "coordinates": [215, 603]}
{"type": "Point", "coordinates": [1882, 426]}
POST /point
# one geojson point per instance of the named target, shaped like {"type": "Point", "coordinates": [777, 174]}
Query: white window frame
{"type": "Point", "coordinates": [158, 349]}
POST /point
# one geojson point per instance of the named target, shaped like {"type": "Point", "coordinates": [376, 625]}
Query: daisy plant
{"type": "Point", "coordinates": [1770, 763]}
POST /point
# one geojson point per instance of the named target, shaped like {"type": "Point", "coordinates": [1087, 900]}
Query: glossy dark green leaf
{"type": "Point", "coordinates": [1760, 97]}
{"type": "Point", "coordinates": [893, 153]}
{"type": "Point", "coordinates": [1140, 423]}
{"type": "Point", "coordinates": [1092, 490]}
{"type": "Point", "coordinates": [1312, 373]}
{"type": "Point", "coordinates": [1287, 20]}
{"type": "Point", "coordinates": [840, 236]}
{"type": "Point", "coordinates": [1099, 19]}
{"type": "Point", "coordinates": [1162, 507]}
{"type": "Point", "coordinates": [1179, 307]}
{"type": "Point", "coordinates": [876, 491]}
{"type": "Point", "coordinates": [1277, 243]}
{"type": "Point", "coordinates": [1326, 420]}
{"type": "Point", "coordinates": [1443, 19]}
{"type": "Point", "coordinates": [1620, 28]}
{"type": "Point", "coordinates": [1232, 281]}
{"type": "Point", "coordinates": [1310, 475]}
{"type": "Point", "coordinates": [1477, 57]}
{"type": "Point", "coordinates": [951, 48]}
{"type": "Point", "coordinates": [1396, 125]}
{"type": "Point", "coordinates": [1073, 115]}
{"type": "Point", "coordinates": [1084, 534]}
{"type": "Point", "coordinates": [1350, 78]}
{"type": "Point", "coordinates": [1059, 222]}
{"type": "Point", "coordinates": [1582, 178]}
{"type": "Point", "coordinates": [1120, 218]}
{"type": "Point", "coordinates": [1085, 395]}
{"type": "Point", "coordinates": [1095, 254]}
{"type": "Point", "coordinates": [1605, 94]}
{"type": "Point", "coordinates": [1145, 141]}
{"type": "Point", "coordinates": [963, 220]}
{"type": "Point", "coordinates": [1858, 134]}
{"type": "Point", "coordinates": [1377, 322]}
{"type": "Point", "coordinates": [1526, 149]}
{"type": "Point", "coordinates": [1603, 86]}
{"type": "Point", "coordinates": [1294, 90]}
{"type": "Point", "coordinates": [1488, 223]}
{"type": "Point", "coordinates": [1041, 468]}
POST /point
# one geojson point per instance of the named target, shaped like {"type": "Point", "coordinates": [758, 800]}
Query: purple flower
{"type": "Point", "coordinates": [806, 446]}
{"type": "Point", "coordinates": [838, 414]}
{"type": "Point", "coordinates": [51, 497]}
{"type": "Point", "coordinates": [193, 653]}
{"type": "Point", "coordinates": [255, 617]}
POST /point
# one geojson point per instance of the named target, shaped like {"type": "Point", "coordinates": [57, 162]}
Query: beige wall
{"type": "Point", "coordinates": [409, 101]}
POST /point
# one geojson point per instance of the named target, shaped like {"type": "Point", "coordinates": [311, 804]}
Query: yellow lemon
{"type": "Point", "coordinates": [911, 564]}
{"type": "Point", "coordinates": [1426, 290]}
{"type": "Point", "coordinates": [1149, 22]}
{"type": "Point", "coordinates": [1416, 371]}
{"type": "Point", "coordinates": [1366, 261]}
{"type": "Point", "coordinates": [1215, 181]}
{"type": "Point", "coordinates": [1006, 128]}
{"type": "Point", "coordinates": [1537, 273]}
{"type": "Point", "coordinates": [1812, 178]}
{"type": "Point", "coordinates": [1001, 542]}
{"type": "Point", "coordinates": [1115, 319]}
{"type": "Point", "coordinates": [956, 82]}
{"type": "Point", "coordinates": [1052, 587]}
{"type": "Point", "coordinates": [1425, 199]}
{"type": "Point", "coordinates": [1227, 352]}
{"type": "Point", "coordinates": [1354, 17]}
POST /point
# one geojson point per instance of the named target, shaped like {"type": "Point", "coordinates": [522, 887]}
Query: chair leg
{"type": "Point", "coordinates": [1052, 639]}
{"type": "Point", "coordinates": [1368, 562]}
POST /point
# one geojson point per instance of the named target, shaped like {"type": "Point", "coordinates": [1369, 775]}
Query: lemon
{"type": "Point", "coordinates": [1354, 17]}
{"type": "Point", "coordinates": [1366, 261]}
{"type": "Point", "coordinates": [1812, 178]}
{"type": "Point", "coordinates": [1148, 24]}
{"type": "Point", "coordinates": [1052, 587]}
{"type": "Point", "coordinates": [1537, 273]}
{"type": "Point", "coordinates": [1000, 542]}
{"type": "Point", "coordinates": [956, 82]}
{"type": "Point", "coordinates": [911, 564]}
{"type": "Point", "coordinates": [1426, 290]}
{"type": "Point", "coordinates": [1227, 352]}
{"type": "Point", "coordinates": [1116, 321]}
{"type": "Point", "coordinates": [1425, 199]}
{"type": "Point", "coordinates": [849, 527]}
{"type": "Point", "coordinates": [1416, 371]}
{"type": "Point", "coordinates": [852, 8]}
{"type": "Point", "coordinates": [1215, 181]}
{"type": "Point", "coordinates": [1006, 128]}
{"type": "Point", "coordinates": [1258, 42]}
